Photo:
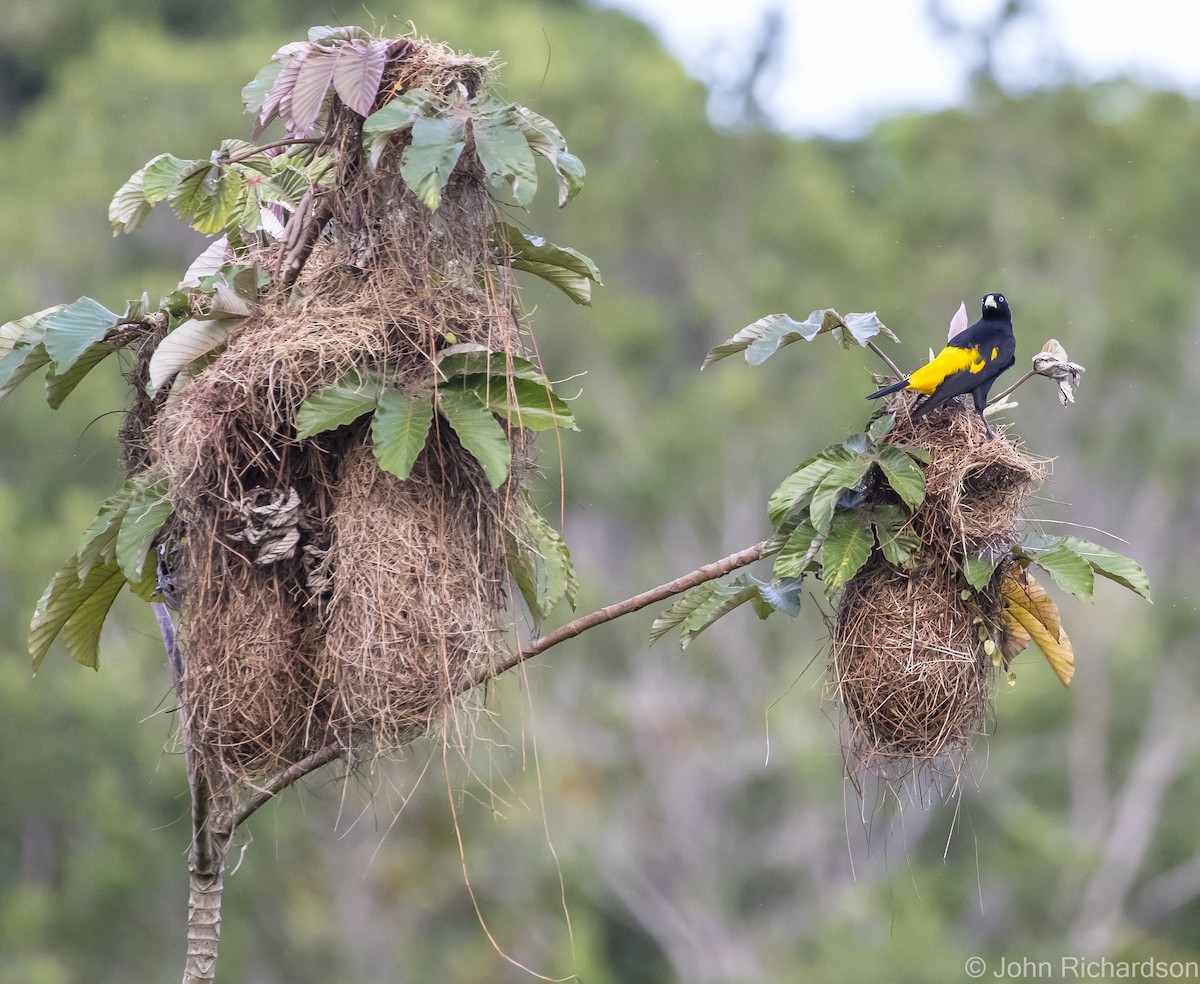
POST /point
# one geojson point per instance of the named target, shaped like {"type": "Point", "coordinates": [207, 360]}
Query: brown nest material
{"type": "Point", "coordinates": [908, 665]}
{"type": "Point", "coordinates": [320, 598]}
{"type": "Point", "coordinates": [408, 624]}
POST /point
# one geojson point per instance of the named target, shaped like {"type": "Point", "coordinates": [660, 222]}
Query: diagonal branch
{"type": "Point", "coordinates": [281, 780]}
{"type": "Point", "coordinates": [708, 572]}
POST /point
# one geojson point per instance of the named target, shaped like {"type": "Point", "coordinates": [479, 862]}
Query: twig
{"type": "Point", "coordinates": [708, 572]}
{"type": "Point", "coordinates": [280, 781]}
{"type": "Point", "coordinates": [883, 355]}
{"type": "Point", "coordinates": [1000, 396]}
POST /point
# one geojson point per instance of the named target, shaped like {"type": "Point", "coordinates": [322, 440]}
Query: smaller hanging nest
{"type": "Point", "coordinates": [909, 666]}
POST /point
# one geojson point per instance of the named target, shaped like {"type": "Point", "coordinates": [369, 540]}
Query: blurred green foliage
{"type": "Point", "coordinates": [690, 809]}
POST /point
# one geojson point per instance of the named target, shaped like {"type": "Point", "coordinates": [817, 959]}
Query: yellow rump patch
{"type": "Point", "coordinates": [947, 362]}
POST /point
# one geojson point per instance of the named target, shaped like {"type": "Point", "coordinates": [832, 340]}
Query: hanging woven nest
{"type": "Point", "coordinates": [910, 666]}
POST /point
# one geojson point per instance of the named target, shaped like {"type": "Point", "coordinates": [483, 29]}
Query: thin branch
{"type": "Point", "coordinates": [883, 355]}
{"type": "Point", "coordinates": [708, 572]}
{"type": "Point", "coordinates": [280, 781]}
{"type": "Point", "coordinates": [303, 230]}
{"type": "Point", "coordinates": [1000, 396]}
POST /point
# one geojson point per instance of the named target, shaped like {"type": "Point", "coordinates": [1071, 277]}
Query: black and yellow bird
{"type": "Point", "coordinates": [970, 363]}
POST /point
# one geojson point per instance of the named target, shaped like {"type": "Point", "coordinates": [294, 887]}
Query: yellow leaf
{"type": "Point", "coordinates": [1031, 613]}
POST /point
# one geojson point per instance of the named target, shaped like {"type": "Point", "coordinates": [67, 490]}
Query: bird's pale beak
{"type": "Point", "coordinates": [990, 301]}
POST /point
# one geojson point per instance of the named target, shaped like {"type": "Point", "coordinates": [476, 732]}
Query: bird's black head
{"type": "Point", "coordinates": [995, 306]}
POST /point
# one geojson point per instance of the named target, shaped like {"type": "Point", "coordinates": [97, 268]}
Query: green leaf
{"type": "Point", "coordinates": [978, 569]}
{"type": "Point", "coordinates": [195, 188]}
{"type": "Point", "coordinates": [841, 477]}
{"type": "Point", "coordinates": [783, 595]}
{"type": "Point", "coordinates": [764, 337]}
{"type": "Point", "coordinates": [700, 607]}
{"type": "Point", "coordinates": [401, 112]}
{"type": "Point", "coordinates": [70, 330]}
{"type": "Point", "coordinates": [129, 208]}
{"type": "Point", "coordinates": [567, 269]}
{"type": "Point", "coordinates": [192, 340]}
{"type": "Point", "coordinates": [20, 363]}
{"type": "Point", "coordinates": [437, 143]}
{"type": "Point", "coordinates": [903, 474]}
{"type": "Point", "coordinates": [801, 484]}
{"type": "Point", "coordinates": [1070, 571]}
{"type": "Point", "coordinates": [255, 91]}
{"type": "Point", "coordinates": [540, 563]}
{"type": "Point", "coordinates": [468, 359]}
{"type": "Point", "coordinates": [214, 212]}
{"type": "Point", "coordinates": [846, 548]}
{"type": "Point", "coordinates": [797, 554]}
{"type": "Point", "coordinates": [523, 403]}
{"type": "Point", "coordinates": [399, 429]}
{"type": "Point", "coordinates": [545, 139]}
{"type": "Point", "coordinates": [60, 386]}
{"type": "Point", "coordinates": [75, 608]}
{"type": "Point", "coordinates": [148, 509]}
{"type": "Point", "coordinates": [339, 404]}
{"type": "Point", "coordinates": [1110, 564]}
{"type": "Point", "coordinates": [478, 432]}
{"type": "Point", "coordinates": [503, 151]}
{"type": "Point", "coordinates": [881, 426]}
{"type": "Point", "coordinates": [163, 174]}
{"type": "Point", "coordinates": [99, 542]}
{"type": "Point", "coordinates": [896, 541]}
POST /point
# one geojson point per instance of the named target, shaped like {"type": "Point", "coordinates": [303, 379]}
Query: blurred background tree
{"type": "Point", "coordinates": [689, 810]}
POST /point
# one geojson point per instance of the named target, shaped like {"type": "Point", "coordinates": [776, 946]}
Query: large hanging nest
{"type": "Point", "coordinates": [320, 598]}
{"type": "Point", "coordinates": [910, 665]}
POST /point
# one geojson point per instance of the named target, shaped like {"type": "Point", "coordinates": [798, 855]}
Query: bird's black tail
{"type": "Point", "coordinates": [894, 388]}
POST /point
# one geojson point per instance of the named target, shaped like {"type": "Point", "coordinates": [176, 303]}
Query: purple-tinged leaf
{"type": "Point", "coordinates": [959, 322]}
{"type": "Point", "coordinates": [302, 111]}
{"type": "Point", "coordinates": [357, 74]}
{"type": "Point", "coordinates": [278, 97]}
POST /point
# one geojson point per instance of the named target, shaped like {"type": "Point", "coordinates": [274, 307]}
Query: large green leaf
{"type": "Point", "coordinates": [399, 429]}
{"type": "Point", "coordinates": [255, 91]}
{"type": "Point", "coordinates": [846, 548]}
{"type": "Point", "coordinates": [801, 484]}
{"type": "Point", "coordinates": [700, 607]}
{"type": "Point", "coordinates": [149, 507]}
{"type": "Point", "coordinates": [195, 189]}
{"type": "Point", "coordinates": [765, 336]}
{"type": "Point", "coordinates": [214, 213]}
{"type": "Point", "coordinates": [545, 139]}
{"type": "Point", "coordinates": [129, 208]}
{"type": "Point", "coordinates": [978, 569]}
{"type": "Point", "coordinates": [1110, 564]}
{"type": "Point", "coordinates": [401, 112]}
{"type": "Point", "coordinates": [798, 552]}
{"type": "Point", "coordinates": [478, 431]}
{"type": "Point", "coordinates": [77, 609]}
{"type": "Point", "coordinates": [437, 143]}
{"type": "Point", "coordinates": [69, 331]}
{"type": "Point", "coordinates": [540, 563]}
{"type": "Point", "coordinates": [842, 476]}
{"type": "Point", "coordinates": [99, 541]}
{"type": "Point", "coordinates": [163, 174]}
{"type": "Point", "coordinates": [60, 385]}
{"type": "Point", "coordinates": [192, 340]}
{"type": "Point", "coordinates": [523, 403]}
{"type": "Point", "coordinates": [896, 540]}
{"type": "Point", "coordinates": [339, 404]}
{"type": "Point", "coordinates": [903, 474]}
{"type": "Point", "coordinates": [503, 151]}
{"type": "Point", "coordinates": [467, 359]}
{"type": "Point", "coordinates": [20, 363]}
{"type": "Point", "coordinates": [1070, 571]}
{"type": "Point", "coordinates": [567, 269]}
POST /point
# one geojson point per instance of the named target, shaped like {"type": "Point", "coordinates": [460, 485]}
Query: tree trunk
{"type": "Point", "coordinates": [204, 922]}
